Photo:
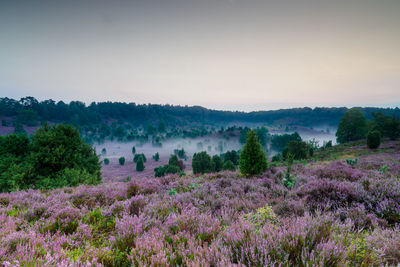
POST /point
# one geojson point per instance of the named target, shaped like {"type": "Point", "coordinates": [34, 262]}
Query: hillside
{"type": "Point", "coordinates": [336, 214]}
{"type": "Point", "coordinates": [29, 111]}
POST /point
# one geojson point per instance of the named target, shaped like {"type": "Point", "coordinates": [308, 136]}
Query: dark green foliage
{"type": "Point", "coordinates": [103, 151]}
{"type": "Point", "coordinates": [27, 117]}
{"type": "Point", "coordinates": [243, 135]}
{"type": "Point", "coordinates": [19, 129]}
{"type": "Point", "coordinates": [388, 126]}
{"type": "Point", "coordinates": [140, 165]}
{"type": "Point", "coordinates": [106, 161]}
{"type": "Point", "coordinates": [232, 156]}
{"type": "Point", "coordinates": [373, 139]}
{"type": "Point", "coordinates": [166, 169]}
{"type": "Point", "coordinates": [279, 142]}
{"type": "Point", "coordinates": [137, 156]}
{"type": "Point", "coordinates": [228, 166]}
{"type": "Point", "coordinates": [156, 157]}
{"type": "Point", "coordinates": [180, 153]}
{"type": "Point", "coordinates": [161, 127]}
{"type": "Point", "coordinates": [352, 126]}
{"type": "Point", "coordinates": [202, 163]}
{"type": "Point", "coordinates": [277, 157]}
{"type": "Point", "coordinates": [55, 157]}
{"type": "Point", "coordinates": [299, 150]}
{"type": "Point", "coordinates": [289, 180]}
{"type": "Point", "coordinates": [262, 135]}
{"type": "Point", "coordinates": [252, 157]}
{"type": "Point", "coordinates": [174, 161]}
{"type": "Point", "coordinates": [217, 163]}
{"type": "Point", "coordinates": [14, 164]}
{"type": "Point", "coordinates": [121, 161]}
{"type": "Point", "coordinates": [151, 129]}
{"type": "Point", "coordinates": [59, 147]}
{"type": "Point", "coordinates": [133, 150]}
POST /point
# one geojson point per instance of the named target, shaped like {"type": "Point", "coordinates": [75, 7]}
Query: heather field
{"type": "Point", "coordinates": [338, 213]}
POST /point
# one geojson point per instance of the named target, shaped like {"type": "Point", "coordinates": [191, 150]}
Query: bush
{"type": "Point", "coordinates": [133, 150]}
{"type": "Point", "coordinates": [166, 169]}
{"type": "Point", "coordinates": [232, 156]}
{"type": "Point", "coordinates": [217, 163]}
{"type": "Point", "coordinates": [137, 156]}
{"type": "Point", "coordinates": [106, 161]}
{"type": "Point", "coordinates": [277, 157]}
{"type": "Point", "coordinates": [373, 139]}
{"type": "Point", "coordinates": [121, 161]}
{"type": "Point", "coordinates": [140, 165]}
{"type": "Point", "coordinates": [299, 150]}
{"type": "Point", "coordinates": [104, 151]}
{"type": "Point", "coordinates": [279, 142]}
{"type": "Point", "coordinates": [202, 163]}
{"type": "Point", "coordinates": [228, 166]}
{"type": "Point", "coordinates": [252, 157]}
{"type": "Point", "coordinates": [156, 157]}
{"type": "Point", "coordinates": [352, 126]}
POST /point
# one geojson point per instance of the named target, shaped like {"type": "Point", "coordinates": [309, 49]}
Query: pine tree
{"type": "Point", "coordinates": [140, 165]}
{"type": "Point", "coordinates": [252, 160]}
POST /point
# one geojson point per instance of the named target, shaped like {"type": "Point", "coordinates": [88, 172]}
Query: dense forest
{"type": "Point", "coordinates": [29, 111]}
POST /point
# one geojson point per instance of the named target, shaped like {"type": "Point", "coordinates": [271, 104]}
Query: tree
{"type": "Point", "coordinates": [217, 163]}
{"type": "Point", "coordinates": [202, 163]}
{"type": "Point", "coordinates": [232, 156]}
{"type": "Point", "coordinates": [137, 156]}
{"type": "Point", "coordinates": [121, 161]}
{"type": "Point", "coordinates": [174, 161]}
{"type": "Point", "coordinates": [140, 165]}
{"type": "Point", "coordinates": [133, 150]}
{"type": "Point", "coordinates": [56, 148]}
{"type": "Point", "coordinates": [106, 161]}
{"type": "Point", "coordinates": [373, 139]}
{"type": "Point", "coordinates": [228, 166]}
{"type": "Point", "coordinates": [252, 160]}
{"type": "Point", "coordinates": [156, 157]}
{"type": "Point", "coordinates": [279, 142]}
{"type": "Point", "coordinates": [298, 149]}
{"type": "Point", "coordinates": [352, 126]}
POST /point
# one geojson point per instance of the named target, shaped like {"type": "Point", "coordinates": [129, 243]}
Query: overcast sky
{"type": "Point", "coordinates": [223, 54]}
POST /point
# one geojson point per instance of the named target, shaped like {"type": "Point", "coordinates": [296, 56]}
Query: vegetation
{"type": "Point", "coordinates": [156, 157]}
{"type": "Point", "coordinates": [174, 166]}
{"type": "Point", "coordinates": [352, 126]}
{"type": "Point", "coordinates": [228, 166]}
{"type": "Point", "coordinates": [139, 156]}
{"type": "Point", "coordinates": [298, 150]}
{"type": "Point", "coordinates": [140, 165]}
{"type": "Point", "coordinates": [253, 160]}
{"type": "Point", "coordinates": [106, 161]}
{"type": "Point", "coordinates": [279, 142]}
{"type": "Point", "coordinates": [202, 163]}
{"type": "Point", "coordinates": [55, 156]}
{"type": "Point", "coordinates": [373, 139]}
{"type": "Point", "coordinates": [121, 161]}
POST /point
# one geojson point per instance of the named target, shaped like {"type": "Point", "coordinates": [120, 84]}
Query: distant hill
{"type": "Point", "coordinates": [29, 111]}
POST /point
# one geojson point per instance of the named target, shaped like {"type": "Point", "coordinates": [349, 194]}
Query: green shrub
{"type": "Point", "coordinates": [252, 160]}
{"type": "Point", "coordinates": [202, 163]}
{"type": "Point", "coordinates": [373, 139]}
{"type": "Point", "coordinates": [217, 163]}
{"type": "Point", "coordinates": [228, 166]}
{"type": "Point", "coordinates": [352, 126]}
{"type": "Point", "coordinates": [156, 157]}
{"type": "Point", "coordinates": [137, 156]}
{"type": "Point", "coordinates": [140, 165]}
{"type": "Point", "coordinates": [299, 150]}
{"type": "Point", "coordinates": [121, 161]}
{"type": "Point", "coordinates": [106, 161]}
{"type": "Point", "coordinates": [133, 150]}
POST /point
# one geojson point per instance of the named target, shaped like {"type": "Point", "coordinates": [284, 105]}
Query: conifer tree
{"type": "Point", "coordinates": [252, 160]}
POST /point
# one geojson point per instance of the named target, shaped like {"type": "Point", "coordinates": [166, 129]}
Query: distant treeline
{"type": "Point", "coordinates": [30, 111]}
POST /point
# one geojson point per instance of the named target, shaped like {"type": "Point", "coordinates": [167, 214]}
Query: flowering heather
{"type": "Point", "coordinates": [335, 215]}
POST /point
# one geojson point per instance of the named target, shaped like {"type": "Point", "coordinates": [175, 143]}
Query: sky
{"type": "Point", "coordinates": [221, 54]}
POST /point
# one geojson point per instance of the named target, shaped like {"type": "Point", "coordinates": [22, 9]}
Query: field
{"type": "Point", "coordinates": [337, 214]}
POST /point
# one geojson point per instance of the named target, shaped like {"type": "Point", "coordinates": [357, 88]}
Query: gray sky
{"type": "Point", "coordinates": [223, 54]}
